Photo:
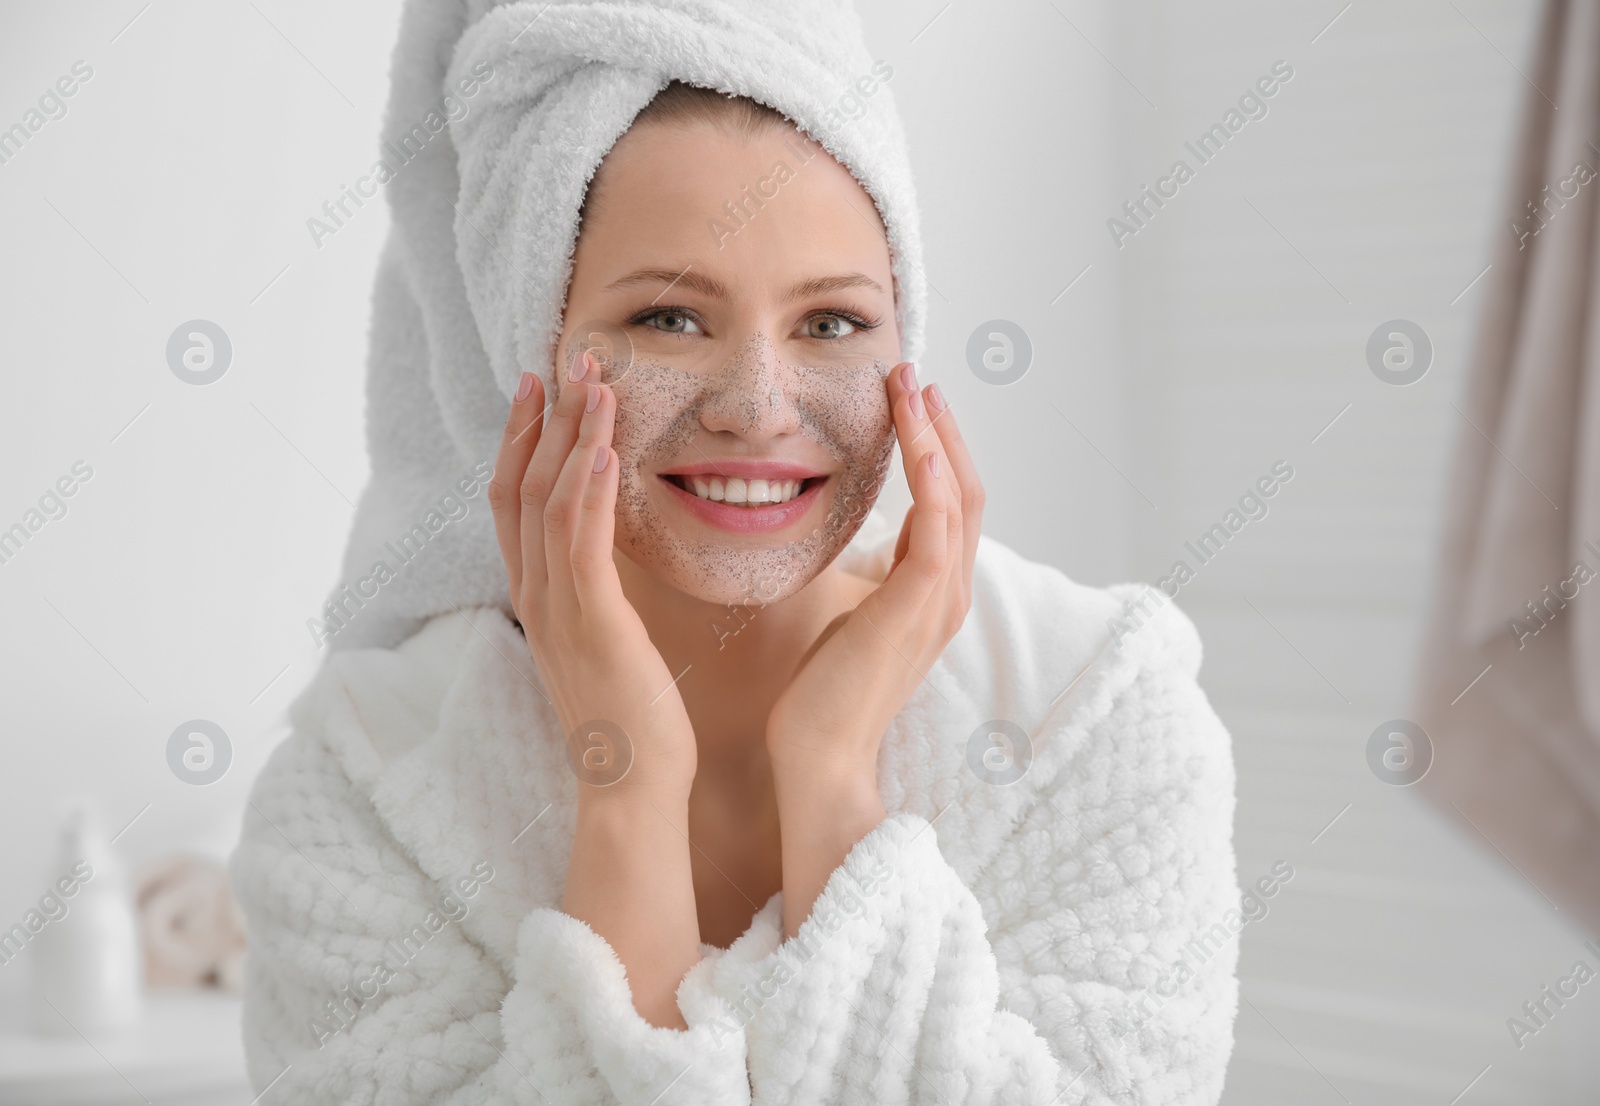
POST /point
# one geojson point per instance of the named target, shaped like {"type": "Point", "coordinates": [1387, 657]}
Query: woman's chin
{"type": "Point", "coordinates": [735, 582]}
{"type": "Point", "coordinates": [728, 570]}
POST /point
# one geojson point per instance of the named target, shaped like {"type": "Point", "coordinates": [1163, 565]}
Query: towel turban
{"type": "Point", "coordinates": [498, 117]}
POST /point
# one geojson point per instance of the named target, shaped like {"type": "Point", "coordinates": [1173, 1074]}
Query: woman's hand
{"type": "Point", "coordinates": [628, 735]}
{"type": "Point", "coordinates": [554, 496]}
{"type": "Point", "coordinates": [824, 731]}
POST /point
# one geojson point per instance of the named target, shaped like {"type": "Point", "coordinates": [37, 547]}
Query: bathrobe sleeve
{"type": "Point", "coordinates": [1097, 968]}
{"type": "Point", "coordinates": [362, 989]}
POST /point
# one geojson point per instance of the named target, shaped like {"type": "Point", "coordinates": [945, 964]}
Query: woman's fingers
{"type": "Point", "coordinates": [556, 439]}
{"type": "Point", "coordinates": [966, 473]}
{"type": "Point", "coordinates": [594, 573]}
{"type": "Point", "coordinates": [916, 426]}
{"type": "Point", "coordinates": [516, 448]}
{"type": "Point", "coordinates": [922, 570]}
{"type": "Point", "coordinates": [911, 422]}
{"type": "Point", "coordinates": [930, 565]}
{"type": "Point", "coordinates": [568, 503]}
{"type": "Point", "coordinates": [903, 542]}
{"type": "Point", "coordinates": [930, 537]}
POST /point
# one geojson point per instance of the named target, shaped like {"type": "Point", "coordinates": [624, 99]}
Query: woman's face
{"type": "Point", "coordinates": [738, 295]}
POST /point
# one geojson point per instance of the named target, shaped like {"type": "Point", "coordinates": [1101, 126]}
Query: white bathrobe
{"type": "Point", "coordinates": [1067, 937]}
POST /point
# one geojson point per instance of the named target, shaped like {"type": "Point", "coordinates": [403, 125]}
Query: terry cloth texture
{"type": "Point", "coordinates": [1066, 937]}
{"type": "Point", "coordinates": [499, 115]}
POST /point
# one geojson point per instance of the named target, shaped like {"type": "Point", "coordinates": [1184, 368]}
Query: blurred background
{"type": "Point", "coordinates": [1174, 362]}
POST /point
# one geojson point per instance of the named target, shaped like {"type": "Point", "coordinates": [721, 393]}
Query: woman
{"type": "Point", "coordinates": [727, 806]}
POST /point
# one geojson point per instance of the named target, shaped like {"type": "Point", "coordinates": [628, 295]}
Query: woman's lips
{"type": "Point", "coordinates": [763, 518]}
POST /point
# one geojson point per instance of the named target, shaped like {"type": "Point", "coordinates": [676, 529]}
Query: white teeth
{"type": "Point", "coordinates": [737, 490]}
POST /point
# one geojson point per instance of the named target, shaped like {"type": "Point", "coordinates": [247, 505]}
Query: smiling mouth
{"type": "Point", "coordinates": [736, 491]}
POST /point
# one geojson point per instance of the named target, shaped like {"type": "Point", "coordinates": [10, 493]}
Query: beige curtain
{"type": "Point", "coordinates": [1516, 755]}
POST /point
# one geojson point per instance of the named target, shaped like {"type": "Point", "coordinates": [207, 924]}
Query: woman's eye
{"type": "Point", "coordinates": [829, 326]}
{"type": "Point", "coordinates": [672, 322]}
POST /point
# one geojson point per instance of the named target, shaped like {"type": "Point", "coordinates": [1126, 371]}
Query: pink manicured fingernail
{"type": "Point", "coordinates": [593, 399]}
{"type": "Point", "coordinates": [602, 457]}
{"type": "Point", "coordinates": [908, 377]}
{"type": "Point", "coordinates": [934, 465]}
{"type": "Point", "coordinates": [914, 401]}
{"type": "Point", "coordinates": [524, 386]}
{"type": "Point", "coordinates": [579, 368]}
{"type": "Point", "coordinates": [935, 397]}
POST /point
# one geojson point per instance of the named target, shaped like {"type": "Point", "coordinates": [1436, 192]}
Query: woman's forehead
{"type": "Point", "coordinates": [772, 210]}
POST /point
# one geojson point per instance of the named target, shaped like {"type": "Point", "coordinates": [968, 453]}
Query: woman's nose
{"type": "Point", "coordinates": [752, 394]}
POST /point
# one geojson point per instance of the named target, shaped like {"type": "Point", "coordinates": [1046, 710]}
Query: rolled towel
{"type": "Point", "coordinates": [498, 117]}
{"type": "Point", "coordinates": [192, 928]}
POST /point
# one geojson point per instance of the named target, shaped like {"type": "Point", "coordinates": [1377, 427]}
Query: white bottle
{"type": "Point", "coordinates": [87, 967]}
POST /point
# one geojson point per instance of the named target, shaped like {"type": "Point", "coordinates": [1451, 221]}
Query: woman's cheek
{"type": "Point", "coordinates": [864, 426]}
{"type": "Point", "coordinates": [628, 434]}
{"type": "Point", "coordinates": [655, 415]}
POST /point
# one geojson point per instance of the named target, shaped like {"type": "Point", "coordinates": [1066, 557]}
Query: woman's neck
{"type": "Point", "coordinates": [733, 662]}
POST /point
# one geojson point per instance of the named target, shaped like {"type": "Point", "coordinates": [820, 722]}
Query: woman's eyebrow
{"type": "Point", "coordinates": [818, 286]}
{"type": "Point", "coordinates": [699, 282]}
{"type": "Point", "coordinates": [715, 289]}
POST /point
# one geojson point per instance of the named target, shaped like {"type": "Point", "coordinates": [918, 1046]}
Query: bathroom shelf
{"type": "Point", "coordinates": [184, 1051]}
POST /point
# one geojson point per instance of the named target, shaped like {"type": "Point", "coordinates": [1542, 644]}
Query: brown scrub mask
{"type": "Point", "coordinates": [840, 405]}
